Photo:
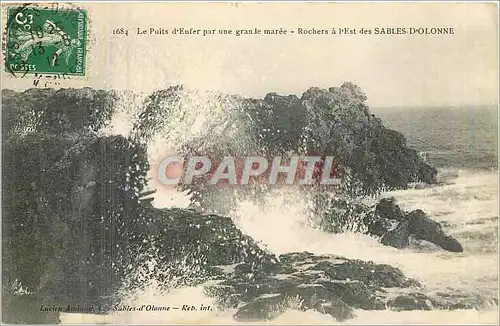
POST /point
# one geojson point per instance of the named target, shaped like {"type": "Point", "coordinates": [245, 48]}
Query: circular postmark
{"type": "Point", "coordinates": [45, 38]}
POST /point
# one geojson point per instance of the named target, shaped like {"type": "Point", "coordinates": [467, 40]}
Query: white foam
{"type": "Point", "coordinates": [281, 225]}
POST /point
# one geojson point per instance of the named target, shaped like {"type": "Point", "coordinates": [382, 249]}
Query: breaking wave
{"type": "Point", "coordinates": [466, 202]}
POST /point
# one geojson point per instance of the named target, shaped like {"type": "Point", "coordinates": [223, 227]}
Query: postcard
{"type": "Point", "coordinates": [250, 163]}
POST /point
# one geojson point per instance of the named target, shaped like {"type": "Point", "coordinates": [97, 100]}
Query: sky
{"type": "Point", "coordinates": [393, 70]}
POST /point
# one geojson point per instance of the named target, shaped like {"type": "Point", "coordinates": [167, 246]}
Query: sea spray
{"type": "Point", "coordinates": [282, 224]}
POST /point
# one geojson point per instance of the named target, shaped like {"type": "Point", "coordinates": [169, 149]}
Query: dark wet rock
{"type": "Point", "coordinates": [243, 268]}
{"type": "Point", "coordinates": [310, 294]}
{"type": "Point", "coordinates": [427, 174]}
{"type": "Point", "coordinates": [336, 308]}
{"type": "Point", "coordinates": [326, 264]}
{"type": "Point", "coordinates": [263, 308]}
{"type": "Point", "coordinates": [309, 276]}
{"type": "Point", "coordinates": [212, 239]}
{"type": "Point", "coordinates": [329, 284]}
{"type": "Point", "coordinates": [378, 275]}
{"type": "Point", "coordinates": [302, 297]}
{"type": "Point", "coordinates": [451, 244]}
{"type": "Point", "coordinates": [250, 290]}
{"type": "Point", "coordinates": [83, 110]}
{"type": "Point", "coordinates": [268, 267]}
{"type": "Point", "coordinates": [387, 208]}
{"type": "Point", "coordinates": [332, 285]}
{"type": "Point", "coordinates": [452, 300]}
{"type": "Point", "coordinates": [417, 224]}
{"type": "Point", "coordinates": [397, 237]}
{"type": "Point", "coordinates": [422, 246]}
{"type": "Point", "coordinates": [299, 257]}
{"type": "Point", "coordinates": [354, 293]}
{"type": "Point", "coordinates": [426, 229]}
{"type": "Point", "coordinates": [411, 301]}
{"type": "Point", "coordinates": [460, 300]}
{"type": "Point", "coordinates": [380, 221]}
{"type": "Point", "coordinates": [379, 226]}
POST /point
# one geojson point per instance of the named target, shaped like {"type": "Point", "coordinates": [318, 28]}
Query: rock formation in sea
{"type": "Point", "coordinates": [78, 229]}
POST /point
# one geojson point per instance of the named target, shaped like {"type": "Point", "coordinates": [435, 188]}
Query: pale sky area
{"type": "Point", "coordinates": [393, 70]}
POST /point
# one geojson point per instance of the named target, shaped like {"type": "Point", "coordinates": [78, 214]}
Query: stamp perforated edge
{"type": "Point", "coordinates": [89, 38]}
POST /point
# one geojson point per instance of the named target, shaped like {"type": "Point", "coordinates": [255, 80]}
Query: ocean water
{"type": "Point", "coordinates": [461, 142]}
{"type": "Point", "coordinates": [458, 137]}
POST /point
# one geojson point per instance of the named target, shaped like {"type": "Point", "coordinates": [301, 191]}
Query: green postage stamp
{"type": "Point", "coordinates": [46, 40]}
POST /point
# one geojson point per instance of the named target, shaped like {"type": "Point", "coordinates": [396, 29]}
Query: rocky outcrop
{"type": "Point", "coordinates": [385, 219]}
{"type": "Point", "coordinates": [416, 300]}
{"type": "Point", "coordinates": [388, 209]}
{"type": "Point", "coordinates": [72, 203]}
{"type": "Point", "coordinates": [426, 229]}
{"type": "Point", "coordinates": [62, 111]}
{"type": "Point", "coordinates": [399, 237]}
{"type": "Point", "coordinates": [415, 223]}
{"type": "Point", "coordinates": [329, 284]}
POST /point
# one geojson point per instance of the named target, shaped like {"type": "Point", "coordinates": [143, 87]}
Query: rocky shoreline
{"type": "Point", "coordinates": [78, 227]}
